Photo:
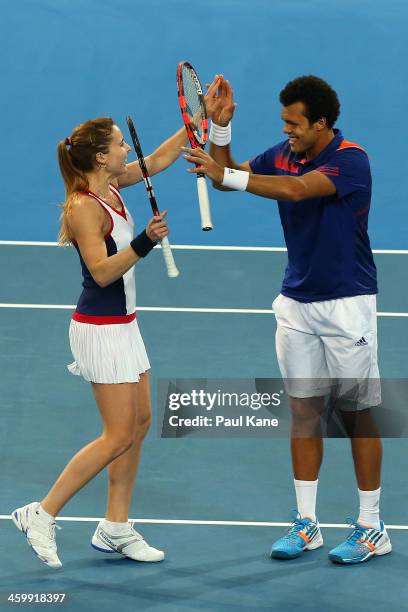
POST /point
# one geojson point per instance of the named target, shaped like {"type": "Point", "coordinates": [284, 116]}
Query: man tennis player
{"type": "Point", "coordinates": [326, 312]}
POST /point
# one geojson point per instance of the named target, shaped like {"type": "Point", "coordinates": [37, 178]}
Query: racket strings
{"type": "Point", "coordinates": [193, 103]}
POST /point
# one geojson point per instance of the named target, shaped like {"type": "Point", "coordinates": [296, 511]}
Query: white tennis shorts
{"type": "Point", "coordinates": [107, 353]}
{"type": "Point", "coordinates": [320, 345]}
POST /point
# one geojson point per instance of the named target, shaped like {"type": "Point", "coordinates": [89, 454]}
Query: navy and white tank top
{"type": "Point", "coordinates": [115, 303]}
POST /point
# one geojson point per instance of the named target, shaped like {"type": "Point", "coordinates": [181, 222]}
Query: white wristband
{"type": "Point", "coordinates": [220, 135]}
{"type": "Point", "coordinates": [235, 179]}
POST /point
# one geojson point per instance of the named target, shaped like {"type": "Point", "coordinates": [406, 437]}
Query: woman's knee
{"type": "Point", "coordinates": [119, 443]}
{"type": "Point", "coordinates": [143, 426]}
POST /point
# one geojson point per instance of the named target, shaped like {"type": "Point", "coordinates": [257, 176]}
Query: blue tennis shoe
{"type": "Point", "coordinates": [362, 544]}
{"type": "Point", "coordinates": [304, 534]}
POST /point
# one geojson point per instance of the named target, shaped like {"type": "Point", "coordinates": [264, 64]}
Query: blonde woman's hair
{"type": "Point", "coordinates": [76, 157]}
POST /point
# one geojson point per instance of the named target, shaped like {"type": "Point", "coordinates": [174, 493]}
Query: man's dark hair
{"type": "Point", "coordinates": [319, 98]}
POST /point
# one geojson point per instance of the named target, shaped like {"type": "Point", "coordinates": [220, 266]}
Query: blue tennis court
{"type": "Point", "coordinates": [214, 505]}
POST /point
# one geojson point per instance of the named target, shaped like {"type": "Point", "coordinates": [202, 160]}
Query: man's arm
{"type": "Point", "coordinates": [223, 156]}
{"type": "Point", "coordinates": [225, 160]}
{"type": "Point", "coordinates": [290, 188]}
{"type": "Point", "coordinates": [220, 105]}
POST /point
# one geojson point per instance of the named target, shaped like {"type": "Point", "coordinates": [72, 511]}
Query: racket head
{"type": "Point", "coordinates": [192, 104]}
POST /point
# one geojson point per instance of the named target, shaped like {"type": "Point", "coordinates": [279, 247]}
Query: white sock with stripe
{"type": "Point", "coordinates": [306, 493]}
{"type": "Point", "coordinates": [369, 508]}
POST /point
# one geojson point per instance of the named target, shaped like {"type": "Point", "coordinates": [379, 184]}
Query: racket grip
{"type": "Point", "coordinates": [172, 271]}
{"type": "Point", "coordinates": [204, 203]}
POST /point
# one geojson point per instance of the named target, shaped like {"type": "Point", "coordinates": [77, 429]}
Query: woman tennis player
{"type": "Point", "coordinates": [104, 335]}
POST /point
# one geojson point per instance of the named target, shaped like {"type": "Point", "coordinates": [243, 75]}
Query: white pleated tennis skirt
{"type": "Point", "coordinates": [109, 354]}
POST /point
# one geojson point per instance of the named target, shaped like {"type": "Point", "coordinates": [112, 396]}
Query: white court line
{"type": "Point", "coordinates": [83, 519]}
{"type": "Point", "coordinates": [175, 309]}
{"type": "Point", "coordinates": [198, 247]}
{"type": "Point", "coordinates": [149, 308]}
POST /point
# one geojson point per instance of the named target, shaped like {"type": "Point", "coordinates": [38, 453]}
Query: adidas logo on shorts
{"type": "Point", "coordinates": [361, 342]}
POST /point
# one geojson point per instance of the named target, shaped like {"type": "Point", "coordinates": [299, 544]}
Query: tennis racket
{"type": "Point", "coordinates": [194, 115]}
{"type": "Point", "coordinates": [172, 271]}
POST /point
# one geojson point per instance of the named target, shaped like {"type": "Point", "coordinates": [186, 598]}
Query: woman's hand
{"type": "Point", "coordinates": [204, 163]}
{"type": "Point", "coordinates": [157, 228]}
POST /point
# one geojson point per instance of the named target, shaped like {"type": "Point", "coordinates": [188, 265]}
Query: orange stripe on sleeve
{"type": "Point", "coordinates": [346, 144]}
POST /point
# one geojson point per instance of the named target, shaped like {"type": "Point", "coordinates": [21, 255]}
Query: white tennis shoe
{"type": "Point", "coordinates": [130, 544]}
{"type": "Point", "coordinates": [39, 532]}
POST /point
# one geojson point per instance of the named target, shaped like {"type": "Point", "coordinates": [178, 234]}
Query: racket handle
{"type": "Point", "coordinates": [172, 271]}
{"type": "Point", "coordinates": [204, 202]}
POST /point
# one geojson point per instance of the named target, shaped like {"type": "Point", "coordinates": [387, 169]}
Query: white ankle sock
{"type": "Point", "coordinates": [113, 527]}
{"type": "Point", "coordinates": [369, 508]}
{"type": "Point", "coordinates": [43, 515]}
{"type": "Point", "coordinates": [306, 492]}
